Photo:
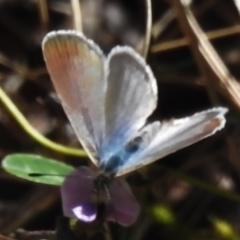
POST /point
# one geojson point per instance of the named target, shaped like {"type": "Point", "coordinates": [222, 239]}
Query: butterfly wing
{"type": "Point", "coordinates": [76, 67]}
{"type": "Point", "coordinates": [161, 139]}
{"type": "Point", "coordinates": [130, 98]}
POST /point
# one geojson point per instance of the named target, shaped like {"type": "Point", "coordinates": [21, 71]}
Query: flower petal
{"type": "Point", "coordinates": [76, 192]}
{"type": "Point", "coordinates": [87, 212]}
{"type": "Point", "coordinates": [123, 207]}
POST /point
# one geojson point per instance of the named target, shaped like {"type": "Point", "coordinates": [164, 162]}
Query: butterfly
{"type": "Point", "coordinates": [107, 100]}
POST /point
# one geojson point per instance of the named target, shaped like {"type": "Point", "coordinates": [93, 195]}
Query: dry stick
{"type": "Point", "coordinates": [77, 17]}
{"type": "Point", "coordinates": [162, 23]}
{"type": "Point", "coordinates": [212, 35]}
{"type": "Point", "coordinates": [168, 17]}
{"type": "Point", "coordinates": [211, 65]}
{"type": "Point", "coordinates": [107, 232]}
{"type": "Point", "coordinates": [209, 62]}
{"type": "Point", "coordinates": [41, 198]}
{"type": "Point", "coordinates": [43, 14]}
{"type": "Point", "coordinates": [148, 27]}
{"type": "Point", "coordinates": [20, 69]}
{"type": "Point", "coordinates": [194, 39]}
{"type": "Point", "coordinates": [33, 235]}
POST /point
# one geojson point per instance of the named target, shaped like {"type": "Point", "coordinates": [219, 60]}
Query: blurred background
{"type": "Point", "coordinates": [194, 53]}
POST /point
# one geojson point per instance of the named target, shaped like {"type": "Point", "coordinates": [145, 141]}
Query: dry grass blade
{"type": "Point", "coordinates": [43, 14]}
{"type": "Point", "coordinates": [168, 17]}
{"type": "Point", "coordinates": [21, 234]}
{"type": "Point", "coordinates": [77, 17]}
{"type": "Point", "coordinates": [214, 70]}
{"type": "Point", "coordinates": [40, 199]}
{"type": "Point", "coordinates": [148, 27]}
{"type": "Point", "coordinates": [20, 68]}
{"type": "Point", "coordinates": [162, 23]}
{"type": "Point", "coordinates": [212, 35]}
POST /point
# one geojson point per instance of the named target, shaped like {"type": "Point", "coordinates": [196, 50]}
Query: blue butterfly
{"type": "Point", "coordinates": [108, 100]}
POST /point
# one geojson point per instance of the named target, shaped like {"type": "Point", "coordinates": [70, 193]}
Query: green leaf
{"type": "Point", "coordinates": [36, 168]}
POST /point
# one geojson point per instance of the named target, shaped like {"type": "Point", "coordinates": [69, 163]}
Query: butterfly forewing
{"type": "Point", "coordinates": [130, 98]}
{"type": "Point", "coordinates": [76, 67]}
{"type": "Point", "coordinates": [159, 140]}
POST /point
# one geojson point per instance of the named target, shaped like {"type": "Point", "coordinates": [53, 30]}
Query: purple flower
{"type": "Point", "coordinates": [80, 199]}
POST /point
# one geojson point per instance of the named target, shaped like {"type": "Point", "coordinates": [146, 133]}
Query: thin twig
{"type": "Point", "coordinates": [169, 16]}
{"type": "Point", "coordinates": [148, 27]}
{"type": "Point", "coordinates": [213, 68]}
{"type": "Point", "coordinates": [43, 13]}
{"type": "Point", "coordinates": [195, 38]}
{"type": "Point", "coordinates": [212, 35]}
{"type": "Point", "coordinates": [162, 23]}
{"type": "Point", "coordinates": [20, 69]}
{"type": "Point", "coordinates": [107, 233]}
{"type": "Point", "coordinates": [77, 17]}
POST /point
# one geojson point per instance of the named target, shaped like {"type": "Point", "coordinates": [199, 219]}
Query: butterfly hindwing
{"type": "Point", "coordinates": [162, 139]}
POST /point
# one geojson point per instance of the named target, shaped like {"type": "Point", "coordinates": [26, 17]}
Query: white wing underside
{"type": "Point", "coordinates": [162, 139]}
